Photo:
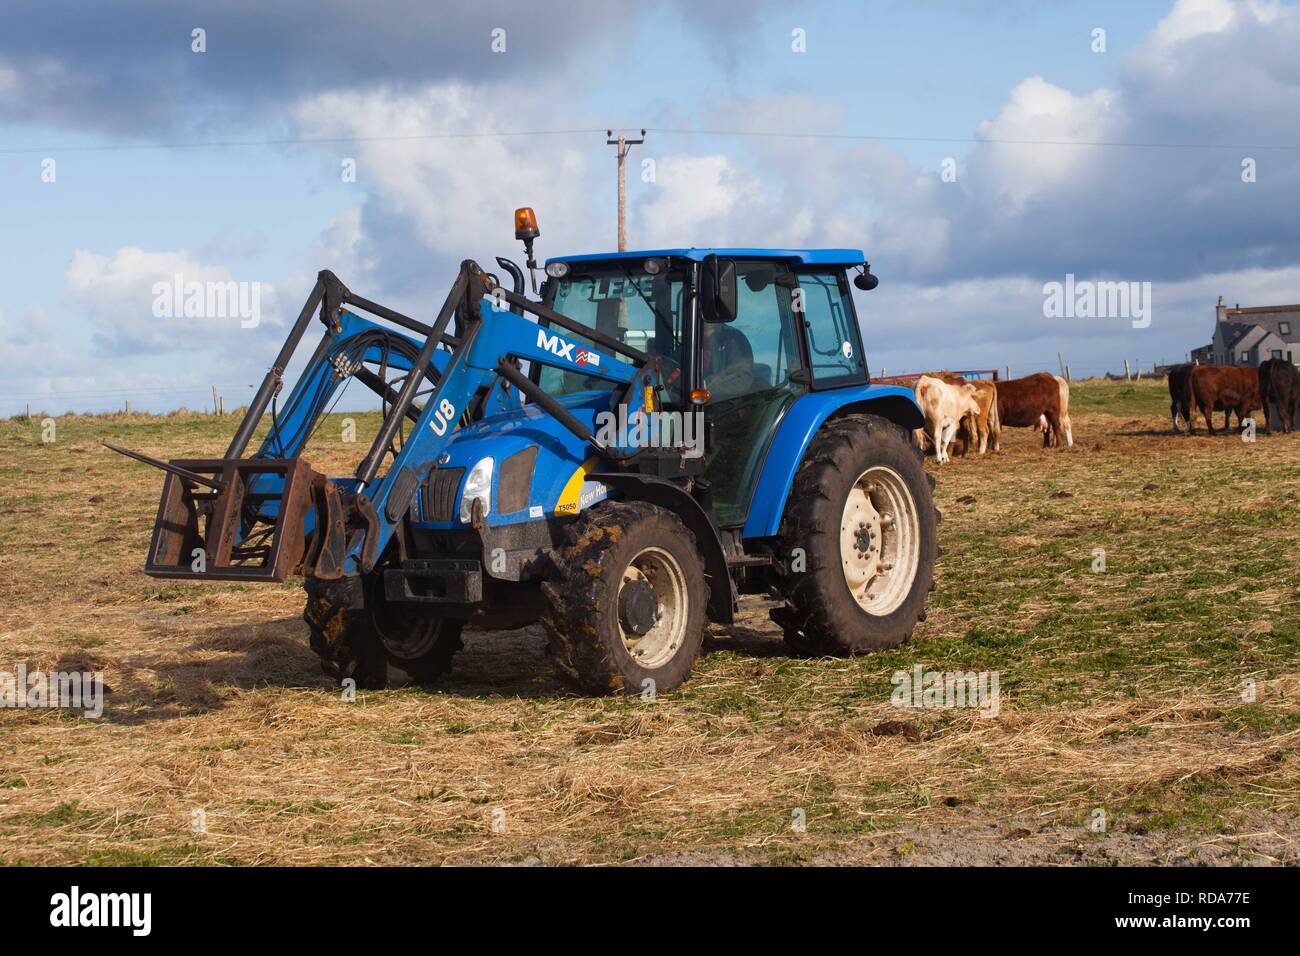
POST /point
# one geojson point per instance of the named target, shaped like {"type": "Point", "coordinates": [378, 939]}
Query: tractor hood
{"type": "Point", "coordinates": [537, 463]}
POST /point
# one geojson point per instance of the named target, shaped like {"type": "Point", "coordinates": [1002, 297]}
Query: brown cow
{"type": "Point", "coordinates": [1279, 387]}
{"type": "Point", "coordinates": [984, 429]}
{"type": "Point", "coordinates": [1179, 397]}
{"type": "Point", "coordinates": [1232, 388]}
{"type": "Point", "coordinates": [1021, 401]}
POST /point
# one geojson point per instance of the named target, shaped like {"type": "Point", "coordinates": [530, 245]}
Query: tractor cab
{"type": "Point", "coordinates": [741, 334]}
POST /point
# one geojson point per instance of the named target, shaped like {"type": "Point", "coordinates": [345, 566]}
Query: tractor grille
{"type": "Point", "coordinates": [438, 498]}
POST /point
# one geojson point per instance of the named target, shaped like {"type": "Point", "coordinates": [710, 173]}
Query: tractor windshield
{"type": "Point", "coordinates": [623, 301]}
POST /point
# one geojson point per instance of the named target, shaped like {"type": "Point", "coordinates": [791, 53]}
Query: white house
{"type": "Point", "coordinates": [1250, 336]}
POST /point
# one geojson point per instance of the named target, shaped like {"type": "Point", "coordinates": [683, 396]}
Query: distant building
{"type": "Point", "coordinates": [1250, 336]}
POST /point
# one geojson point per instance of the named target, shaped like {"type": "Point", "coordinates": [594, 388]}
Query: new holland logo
{"type": "Point", "coordinates": [568, 351]}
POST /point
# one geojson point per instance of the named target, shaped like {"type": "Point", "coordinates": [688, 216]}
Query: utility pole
{"type": "Point", "coordinates": [624, 147]}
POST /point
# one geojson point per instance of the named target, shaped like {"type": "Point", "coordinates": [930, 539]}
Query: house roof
{"type": "Point", "coordinates": [1238, 322]}
{"type": "Point", "coordinates": [1262, 309]}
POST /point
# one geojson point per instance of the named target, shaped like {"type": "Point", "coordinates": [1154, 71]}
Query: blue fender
{"type": "Point", "coordinates": [797, 428]}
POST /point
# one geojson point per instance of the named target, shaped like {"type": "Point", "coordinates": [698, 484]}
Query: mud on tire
{"type": "Point", "coordinates": [626, 566]}
{"type": "Point", "coordinates": [822, 616]}
{"type": "Point", "coordinates": [381, 645]}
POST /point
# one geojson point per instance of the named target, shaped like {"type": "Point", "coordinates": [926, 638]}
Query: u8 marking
{"type": "Point", "coordinates": [445, 415]}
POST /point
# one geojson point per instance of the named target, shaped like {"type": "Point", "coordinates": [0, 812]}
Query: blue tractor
{"type": "Point", "coordinates": [620, 458]}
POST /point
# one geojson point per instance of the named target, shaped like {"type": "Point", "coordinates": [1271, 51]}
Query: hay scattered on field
{"type": "Point", "coordinates": [217, 705]}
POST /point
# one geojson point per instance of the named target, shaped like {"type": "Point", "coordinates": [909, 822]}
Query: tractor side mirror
{"type": "Point", "coordinates": [864, 280]}
{"type": "Point", "coordinates": [718, 289]}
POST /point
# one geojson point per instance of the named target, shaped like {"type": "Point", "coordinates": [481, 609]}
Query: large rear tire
{"type": "Point", "coordinates": [382, 645]}
{"type": "Point", "coordinates": [627, 605]}
{"type": "Point", "coordinates": [859, 540]}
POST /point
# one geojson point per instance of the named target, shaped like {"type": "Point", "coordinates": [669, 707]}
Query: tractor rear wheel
{"type": "Point", "coordinates": [627, 605]}
{"type": "Point", "coordinates": [381, 645]}
{"type": "Point", "coordinates": [859, 541]}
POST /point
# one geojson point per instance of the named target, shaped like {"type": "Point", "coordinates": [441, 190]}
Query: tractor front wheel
{"type": "Point", "coordinates": [627, 605]}
{"type": "Point", "coordinates": [381, 645]}
{"type": "Point", "coordinates": [859, 541]}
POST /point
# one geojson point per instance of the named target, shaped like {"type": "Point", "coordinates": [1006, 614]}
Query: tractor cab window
{"type": "Point", "coordinates": [758, 350]}
{"type": "Point", "coordinates": [624, 302]}
{"type": "Point", "coordinates": [833, 340]}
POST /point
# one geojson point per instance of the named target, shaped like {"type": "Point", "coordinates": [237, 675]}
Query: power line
{"type": "Point", "coordinates": [977, 140]}
{"type": "Point", "coordinates": [665, 131]}
{"type": "Point", "coordinates": [294, 141]}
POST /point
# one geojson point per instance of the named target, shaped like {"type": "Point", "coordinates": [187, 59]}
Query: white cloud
{"type": "Point", "coordinates": [701, 200]}
{"type": "Point", "coordinates": [1035, 111]}
{"type": "Point", "coordinates": [458, 194]}
{"type": "Point", "coordinates": [118, 292]}
{"type": "Point", "coordinates": [1189, 19]}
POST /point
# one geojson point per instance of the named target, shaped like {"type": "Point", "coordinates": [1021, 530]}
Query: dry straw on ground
{"type": "Point", "coordinates": [1122, 691]}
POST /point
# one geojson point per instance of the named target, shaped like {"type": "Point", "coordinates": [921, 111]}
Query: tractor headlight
{"type": "Point", "coordinates": [478, 487]}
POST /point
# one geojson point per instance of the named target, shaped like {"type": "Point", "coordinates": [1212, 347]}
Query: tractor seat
{"type": "Point", "coordinates": [728, 363]}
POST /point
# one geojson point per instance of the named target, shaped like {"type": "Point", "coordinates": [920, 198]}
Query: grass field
{"type": "Point", "coordinates": [1125, 693]}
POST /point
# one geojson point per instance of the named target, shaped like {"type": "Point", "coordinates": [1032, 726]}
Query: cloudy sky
{"type": "Point", "coordinates": [126, 158]}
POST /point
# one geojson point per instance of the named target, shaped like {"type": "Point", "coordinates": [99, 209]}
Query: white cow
{"type": "Point", "coordinates": [944, 406]}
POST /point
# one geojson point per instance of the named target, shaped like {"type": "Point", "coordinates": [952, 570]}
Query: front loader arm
{"type": "Point", "coordinates": [270, 515]}
{"type": "Point", "coordinates": [488, 341]}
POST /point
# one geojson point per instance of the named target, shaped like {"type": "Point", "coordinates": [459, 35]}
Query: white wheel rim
{"type": "Point", "coordinates": [661, 571]}
{"type": "Point", "coordinates": [880, 541]}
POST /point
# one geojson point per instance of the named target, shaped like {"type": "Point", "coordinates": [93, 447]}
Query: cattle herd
{"type": "Point", "coordinates": [976, 411]}
{"type": "Point", "coordinates": [960, 413]}
{"type": "Point", "coordinates": [1273, 387]}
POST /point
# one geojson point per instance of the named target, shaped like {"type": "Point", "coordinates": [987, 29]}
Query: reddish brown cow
{"type": "Point", "coordinates": [1022, 401]}
{"type": "Point", "coordinates": [1232, 388]}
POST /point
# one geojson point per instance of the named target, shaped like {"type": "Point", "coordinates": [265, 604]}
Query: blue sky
{"type": "Point", "coordinates": [962, 263]}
